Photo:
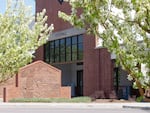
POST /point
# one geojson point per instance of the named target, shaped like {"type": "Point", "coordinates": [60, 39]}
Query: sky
{"type": "Point", "coordinates": [27, 2]}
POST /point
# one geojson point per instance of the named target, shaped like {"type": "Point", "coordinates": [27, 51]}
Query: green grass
{"type": "Point", "coordinates": [51, 100]}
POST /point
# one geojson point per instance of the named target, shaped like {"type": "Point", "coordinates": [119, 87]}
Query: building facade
{"type": "Point", "coordinates": [84, 67]}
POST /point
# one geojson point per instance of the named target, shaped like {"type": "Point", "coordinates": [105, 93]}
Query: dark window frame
{"type": "Point", "coordinates": [71, 44]}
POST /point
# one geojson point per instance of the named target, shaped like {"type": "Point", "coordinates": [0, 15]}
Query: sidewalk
{"type": "Point", "coordinates": [80, 105]}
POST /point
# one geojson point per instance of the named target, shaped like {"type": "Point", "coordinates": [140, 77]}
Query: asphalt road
{"type": "Point", "coordinates": [69, 110]}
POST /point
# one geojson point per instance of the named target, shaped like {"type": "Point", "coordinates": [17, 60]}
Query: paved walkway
{"type": "Point", "coordinates": [97, 104]}
{"type": "Point", "coordinates": [80, 105]}
{"type": "Point", "coordinates": [66, 109]}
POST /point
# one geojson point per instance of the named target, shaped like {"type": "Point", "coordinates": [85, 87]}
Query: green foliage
{"type": "Point", "coordinates": [20, 36]}
{"type": "Point", "coordinates": [139, 99]}
{"type": "Point", "coordinates": [50, 100]}
{"type": "Point", "coordinates": [124, 27]}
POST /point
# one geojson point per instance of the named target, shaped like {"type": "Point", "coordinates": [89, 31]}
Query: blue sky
{"type": "Point", "coordinates": [27, 2]}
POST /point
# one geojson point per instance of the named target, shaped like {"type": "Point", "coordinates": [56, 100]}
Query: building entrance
{"type": "Point", "coordinates": [80, 83]}
{"type": "Point", "coordinates": [72, 75]}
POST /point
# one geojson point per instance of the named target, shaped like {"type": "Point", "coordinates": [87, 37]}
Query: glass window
{"type": "Point", "coordinates": [57, 54]}
{"type": "Point", "coordinates": [47, 53]}
{"type": "Point", "coordinates": [74, 48]}
{"type": "Point", "coordinates": [51, 44]}
{"type": "Point", "coordinates": [62, 42]}
{"type": "Point", "coordinates": [56, 51]}
{"type": "Point", "coordinates": [74, 52]}
{"type": "Point", "coordinates": [68, 53]}
{"type": "Point", "coordinates": [68, 49]}
{"type": "Point", "coordinates": [62, 57]}
{"type": "Point", "coordinates": [80, 51]}
{"type": "Point", "coordinates": [80, 38]}
{"type": "Point", "coordinates": [52, 55]}
{"type": "Point", "coordinates": [74, 56]}
{"type": "Point", "coordinates": [62, 50]}
{"type": "Point", "coordinates": [68, 41]}
{"type": "Point", "coordinates": [80, 56]}
{"type": "Point", "coordinates": [68, 57]}
{"type": "Point", "coordinates": [80, 47]}
{"type": "Point", "coordinates": [52, 51]}
{"type": "Point", "coordinates": [74, 40]}
{"type": "Point", "coordinates": [56, 43]}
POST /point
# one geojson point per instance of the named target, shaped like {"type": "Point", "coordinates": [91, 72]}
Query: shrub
{"type": "Point", "coordinates": [50, 100]}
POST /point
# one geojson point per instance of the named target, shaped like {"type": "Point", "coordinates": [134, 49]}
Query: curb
{"type": "Point", "coordinates": [137, 107]}
{"type": "Point", "coordinates": [145, 106]}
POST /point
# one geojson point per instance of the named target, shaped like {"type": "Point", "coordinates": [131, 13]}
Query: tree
{"type": "Point", "coordinates": [124, 27]}
{"type": "Point", "coordinates": [20, 36]}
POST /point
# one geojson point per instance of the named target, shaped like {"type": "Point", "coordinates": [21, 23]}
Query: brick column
{"type": "Point", "coordinates": [97, 68]}
{"type": "Point", "coordinates": [105, 71]}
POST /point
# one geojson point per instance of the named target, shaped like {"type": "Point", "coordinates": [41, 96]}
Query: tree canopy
{"type": "Point", "coordinates": [124, 27]}
{"type": "Point", "coordinates": [21, 33]}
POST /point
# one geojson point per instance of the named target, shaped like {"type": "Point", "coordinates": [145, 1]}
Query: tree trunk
{"type": "Point", "coordinates": [141, 91]}
{"type": "Point", "coordinates": [147, 95]}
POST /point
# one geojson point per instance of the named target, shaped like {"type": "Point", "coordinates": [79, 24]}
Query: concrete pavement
{"type": "Point", "coordinates": [48, 109]}
{"type": "Point", "coordinates": [79, 105]}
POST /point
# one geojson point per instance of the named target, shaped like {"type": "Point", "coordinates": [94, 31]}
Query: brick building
{"type": "Point", "coordinates": [84, 67]}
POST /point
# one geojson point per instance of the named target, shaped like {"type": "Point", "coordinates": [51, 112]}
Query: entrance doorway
{"type": "Point", "coordinates": [80, 83]}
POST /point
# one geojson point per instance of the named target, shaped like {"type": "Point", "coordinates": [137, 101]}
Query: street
{"type": "Point", "coordinates": [47, 109]}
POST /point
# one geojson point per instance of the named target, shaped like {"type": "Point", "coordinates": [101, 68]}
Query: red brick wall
{"type": "Point", "coordinates": [105, 71]}
{"type": "Point", "coordinates": [65, 92]}
{"type": "Point", "coordinates": [90, 77]}
{"type": "Point", "coordinates": [97, 68]}
{"type": "Point", "coordinates": [52, 7]}
{"type": "Point", "coordinates": [8, 83]}
{"type": "Point", "coordinates": [37, 80]}
{"type": "Point", "coordinates": [39, 54]}
{"type": "Point", "coordinates": [12, 92]}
